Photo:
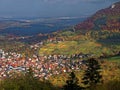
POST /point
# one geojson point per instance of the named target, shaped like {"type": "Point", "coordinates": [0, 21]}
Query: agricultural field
{"type": "Point", "coordinates": [75, 47]}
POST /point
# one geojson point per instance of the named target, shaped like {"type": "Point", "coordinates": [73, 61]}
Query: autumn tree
{"type": "Point", "coordinates": [26, 82]}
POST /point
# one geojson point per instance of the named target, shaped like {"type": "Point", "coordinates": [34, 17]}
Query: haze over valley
{"type": "Point", "coordinates": [29, 27]}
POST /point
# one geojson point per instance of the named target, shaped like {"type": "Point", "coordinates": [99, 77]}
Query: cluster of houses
{"type": "Point", "coordinates": [42, 66]}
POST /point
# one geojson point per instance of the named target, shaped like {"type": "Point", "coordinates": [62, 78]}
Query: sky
{"type": "Point", "coordinates": [51, 8]}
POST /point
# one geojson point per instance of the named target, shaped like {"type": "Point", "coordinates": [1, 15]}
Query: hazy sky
{"type": "Point", "coordinates": [51, 8]}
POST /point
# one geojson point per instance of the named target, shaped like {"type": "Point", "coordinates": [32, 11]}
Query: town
{"type": "Point", "coordinates": [42, 66]}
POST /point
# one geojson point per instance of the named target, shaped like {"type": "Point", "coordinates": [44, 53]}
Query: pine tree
{"type": "Point", "coordinates": [72, 83]}
{"type": "Point", "coordinates": [92, 74]}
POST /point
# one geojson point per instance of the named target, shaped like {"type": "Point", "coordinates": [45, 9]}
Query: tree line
{"type": "Point", "coordinates": [91, 80]}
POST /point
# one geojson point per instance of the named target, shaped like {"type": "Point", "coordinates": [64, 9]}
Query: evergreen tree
{"type": "Point", "coordinates": [92, 74]}
{"type": "Point", "coordinates": [72, 83]}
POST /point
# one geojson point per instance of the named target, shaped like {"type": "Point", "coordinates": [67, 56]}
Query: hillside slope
{"type": "Point", "coordinates": [105, 19]}
{"type": "Point", "coordinates": [98, 35]}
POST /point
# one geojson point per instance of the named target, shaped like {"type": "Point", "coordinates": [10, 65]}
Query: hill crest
{"type": "Point", "coordinates": [104, 19]}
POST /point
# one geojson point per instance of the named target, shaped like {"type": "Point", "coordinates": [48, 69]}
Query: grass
{"type": "Point", "coordinates": [75, 43]}
{"type": "Point", "coordinates": [74, 47]}
{"type": "Point", "coordinates": [59, 48]}
{"type": "Point", "coordinates": [114, 59]}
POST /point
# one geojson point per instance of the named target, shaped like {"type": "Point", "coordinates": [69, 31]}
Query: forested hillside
{"type": "Point", "coordinates": [98, 35]}
{"type": "Point", "coordinates": [105, 19]}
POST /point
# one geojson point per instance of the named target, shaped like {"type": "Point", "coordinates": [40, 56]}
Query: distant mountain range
{"type": "Point", "coordinates": [105, 19]}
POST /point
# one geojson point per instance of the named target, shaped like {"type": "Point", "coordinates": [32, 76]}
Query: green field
{"type": "Point", "coordinates": [114, 59]}
{"type": "Point", "coordinates": [75, 47]}
{"type": "Point", "coordinates": [98, 43]}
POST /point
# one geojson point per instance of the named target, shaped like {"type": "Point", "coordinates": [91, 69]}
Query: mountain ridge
{"type": "Point", "coordinates": [104, 19]}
